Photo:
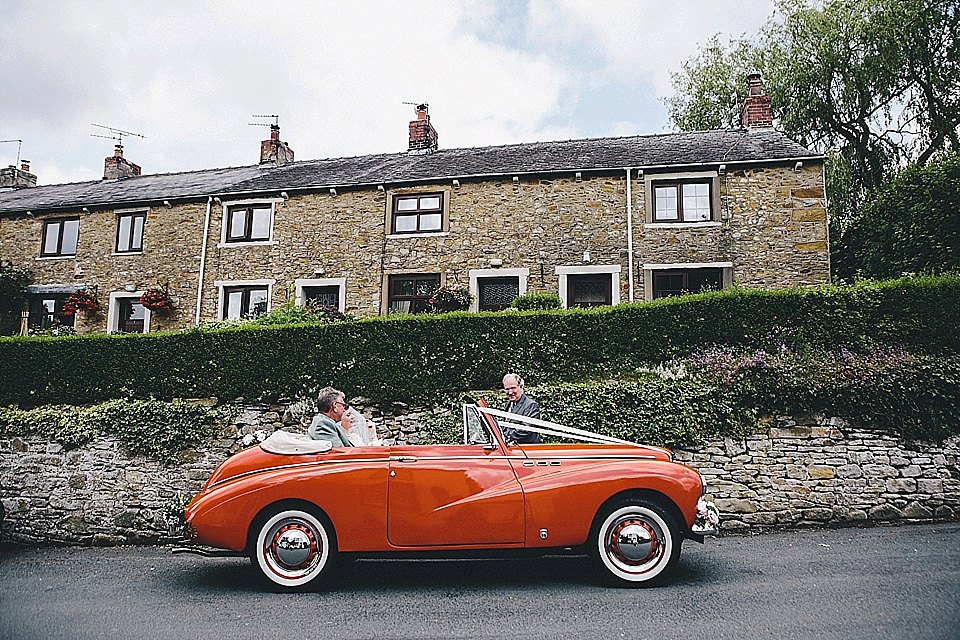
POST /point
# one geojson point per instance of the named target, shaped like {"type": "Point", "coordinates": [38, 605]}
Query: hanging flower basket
{"type": "Point", "coordinates": [156, 299]}
{"type": "Point", "coordinates": [81, 300]}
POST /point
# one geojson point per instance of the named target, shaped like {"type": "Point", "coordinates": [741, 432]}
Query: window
{"type": "Point", "coordinates": [326, 291]}
{"type": "Point", "coordinates": [589, 290]}
{"type": "Point", "coordinates": [325, 295]}
{"type": "Point", "coordinates": [418, 213]}
{"type": "Point", "coordinates": [247, 301]}
{"type": "Point", "coordinates": [47, 310]}
{"type": "Point", "coordinates": [126, 314]}
{"type": "Point", "coordinates": [131, 316]}
{"type": "Point", "coordinates": [682, 201]}
{"type": "Point", "coordinates": [60, 237]}
{"type": "Point", "coordinates": [411, 293]}
{"type": "Point", "coordinates": [130, 232]}
{"type": "Point", "coordinates": [588, 285]}
{"type": "Point", "coordinates": [248, 222]}
{"type": "Point", "coordinates": [675, 282]}
{"type": "Point", "coordinates": [496, 294]}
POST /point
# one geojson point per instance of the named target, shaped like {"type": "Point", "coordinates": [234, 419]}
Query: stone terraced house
{"type": "Point", "coordinates": [597, 221]}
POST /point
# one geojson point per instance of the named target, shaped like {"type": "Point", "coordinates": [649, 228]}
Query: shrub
{"type": "Point", "coordinates": [146, 427]}
{"type": "Point", "coordinates": [915, 396]}
{"type": "Point", "coordinates": [13, 296]}
{"type": "Point", "coordinates": [446, 299]}
{"type": "Point", "coordinates": [725, 392]}
{"type": "Point", "coordinates": [537, 302]}
{"type": "Point", "coordinates": [912, 224]}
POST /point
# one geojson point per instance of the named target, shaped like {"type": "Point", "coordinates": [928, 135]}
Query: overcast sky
{"type": "Point", "coordinates": [188, 75]}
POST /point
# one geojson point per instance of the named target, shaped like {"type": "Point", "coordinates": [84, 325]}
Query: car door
{"type": "Point", "coordinates": [449, 495]}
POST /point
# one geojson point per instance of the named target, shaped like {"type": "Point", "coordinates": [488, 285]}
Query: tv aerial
{"type": "Point", "coordinates": [19, 146]}
{"type": "Point", "coordinates": [117, 134]}
{"type": "Point", "coordinates": [274, 125]}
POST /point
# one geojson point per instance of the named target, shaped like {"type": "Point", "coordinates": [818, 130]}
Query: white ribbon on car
{"type": "Point", "coordinates": [553, 429]}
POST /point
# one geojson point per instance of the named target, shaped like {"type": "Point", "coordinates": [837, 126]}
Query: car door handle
{"type": "Point", "coordinates": [404, 459]}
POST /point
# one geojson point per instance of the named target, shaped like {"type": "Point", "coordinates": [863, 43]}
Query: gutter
{"type": "Point", "coordinates": [203, 258]}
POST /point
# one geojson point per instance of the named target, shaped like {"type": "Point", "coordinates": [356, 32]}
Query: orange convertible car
{"type": "Point", "coordinates": [293, 504]}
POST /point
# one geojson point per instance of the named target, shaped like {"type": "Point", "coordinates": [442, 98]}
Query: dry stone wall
{"type": "Point", "coordinates": [802, 472]}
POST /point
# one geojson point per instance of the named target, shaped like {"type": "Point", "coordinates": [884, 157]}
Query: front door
{"type": "Point", "coordinates": [446, 495]}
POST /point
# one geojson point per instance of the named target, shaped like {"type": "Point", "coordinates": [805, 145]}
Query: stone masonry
{"type": "Point", "coordinates": [771, 228]}
{"type": "Point", "coordinates": [802, 472]}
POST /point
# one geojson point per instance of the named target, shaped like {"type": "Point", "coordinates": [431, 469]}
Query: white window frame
{"type": "Point", "coordinates": [613, 269]}
{"type": "Point", "coordinates": [476, 274]}
{"type": "Point", "coordinates": [322, 282]}
{"type": "Point", "coordinates": [113, 315]}
{"type": "Point", "coordinates": [224, 284]}
{"type": "Point", "coordinates": [143, 232]}
{"type": "Point", "coordinates": [225, 222]}
{"type": "Point", "coordinates": [649, 268]}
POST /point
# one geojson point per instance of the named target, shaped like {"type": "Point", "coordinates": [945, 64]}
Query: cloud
{"type": "Point", "coordinates": [189, 75]}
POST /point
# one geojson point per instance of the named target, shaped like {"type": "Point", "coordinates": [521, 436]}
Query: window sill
{"type": "Point", "coordinates": [431, 234]}
{"type": "Point", "coordinates": [256, 243]}
{"type": "Point", "coordinates": [70, 257]}
{"type": "Point", "coordinates": [127, 253]}
{"type": "Point", "coordinates": [682, 225]}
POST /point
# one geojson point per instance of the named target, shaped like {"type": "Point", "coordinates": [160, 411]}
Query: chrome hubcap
{"type": "Point", "coordinates": [294, 546]}
{"type": "Point", "coordinates": [633, 542]}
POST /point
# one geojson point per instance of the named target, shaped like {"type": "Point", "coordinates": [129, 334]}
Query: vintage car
{"type": "Point", "coordinates": [293, 505]}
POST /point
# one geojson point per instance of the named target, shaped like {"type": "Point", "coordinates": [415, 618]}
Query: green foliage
{"type": "Point", "coordinates": [147, 427]}
{"type": "Point", "coordinates": [446, 299]}
{"type": "Point", "coordinates": [843, 75]}
{"type": "Point", "coordinates": [415, 358]}
{"type": "Point", "coordinates": [727, 392]}
{"type": "Point", "coordinates": [13, 296]}
{"type": "Point", "coordinates": [911, 225]}
{"type": "Point", "coordinates": [915, 396]}
{"type": "Point", "coordinates": [537, 302]}
{"type": "Point", "coordinates": [288, 314]}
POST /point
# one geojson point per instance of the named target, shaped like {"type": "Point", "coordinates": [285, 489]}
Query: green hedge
{"type": "Point", "coordinates": [417, 358]}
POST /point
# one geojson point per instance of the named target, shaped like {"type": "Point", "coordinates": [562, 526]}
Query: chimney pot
{"type": "Point", "coordinates": [275, 151]}
{"type": "Point", "coordinates": [756, 110]}
{"type": "Point", "coordinates": [423, 137]}
{"type": "Point", "coordinates": [116, 166]}
{"type": "Point", "coordinates": [13, 178]}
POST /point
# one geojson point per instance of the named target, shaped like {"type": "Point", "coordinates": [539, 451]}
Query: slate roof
{"type": "Point", "coordinates": [730, 146]}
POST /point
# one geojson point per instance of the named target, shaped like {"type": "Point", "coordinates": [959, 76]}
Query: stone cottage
{"type": "Point", "coordinates": [597, 221]}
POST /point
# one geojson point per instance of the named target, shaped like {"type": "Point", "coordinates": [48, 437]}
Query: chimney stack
{"type": "Point", "coordinates": [273, 151]}
{"type": "Point", "coordinates": [13, 178]}
{"type": "Point", "coordinates": [756, 108]}
{"type": "Point", "coordinates": [116, 166]}
{"type": "Point", "coordinates": [423, 137]}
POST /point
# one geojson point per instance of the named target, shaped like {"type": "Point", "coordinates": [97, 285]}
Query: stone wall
{"type": "Point", "coordinates": [822, 471]}
{"type": "Point", "coordinates": [770, 225]}
{"type": "Point", "coordinates": [805, 472]}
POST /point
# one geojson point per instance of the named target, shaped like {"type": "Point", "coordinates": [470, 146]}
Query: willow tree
{"type": "Point", "coordinates": [873, 84]}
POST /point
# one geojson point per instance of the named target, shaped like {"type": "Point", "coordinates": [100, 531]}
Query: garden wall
{"type": "Point", "coordinates": [801, 472]}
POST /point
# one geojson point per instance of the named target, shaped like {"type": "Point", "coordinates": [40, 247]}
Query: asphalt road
{"type": "Point", "coordinates": [886, 582]}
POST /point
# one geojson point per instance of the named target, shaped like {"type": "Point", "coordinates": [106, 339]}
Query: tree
{"type": "Point", "coordinates": [912, 224]}
{"type": "Point", "coordinates": [872, 83]}
{"type": "Point", "coordinates": [13, 295]}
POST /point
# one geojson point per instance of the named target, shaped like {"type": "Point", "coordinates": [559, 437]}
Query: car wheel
{"type": "Point", "coordinates": [635, 541]}
{"type": "Point", "coordinates": [293, 547]}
